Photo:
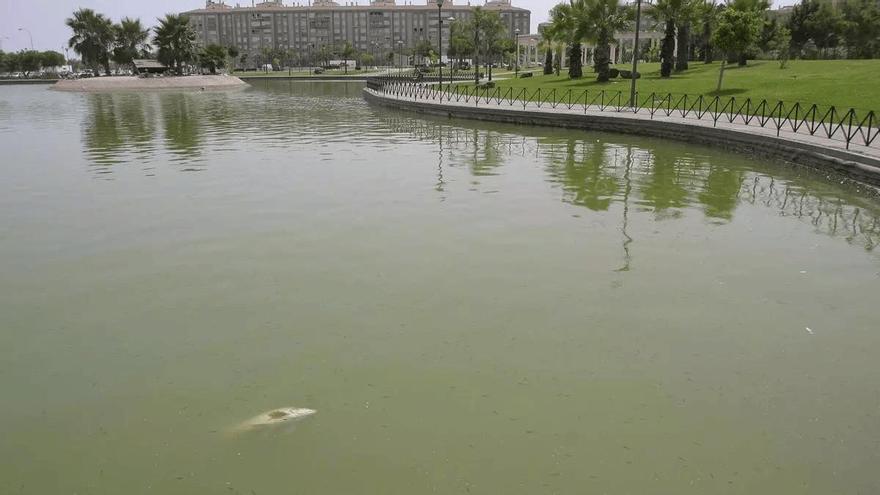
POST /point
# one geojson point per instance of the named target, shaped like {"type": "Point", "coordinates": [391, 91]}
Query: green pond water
{"type": "Point", "coordinates": [470, 307]}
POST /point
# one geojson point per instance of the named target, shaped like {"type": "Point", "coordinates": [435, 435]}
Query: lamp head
{"type": "Point", "coordinates": [440, 3]}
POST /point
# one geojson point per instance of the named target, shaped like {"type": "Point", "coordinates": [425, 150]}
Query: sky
{"type": "Point", "coordinates": [45, 18]}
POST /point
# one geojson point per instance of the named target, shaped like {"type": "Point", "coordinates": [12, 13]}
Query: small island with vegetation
{"type": "Point", "coordinates": [180, 64]}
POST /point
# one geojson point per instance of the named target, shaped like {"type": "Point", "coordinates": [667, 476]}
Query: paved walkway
{"type": "Point", "coordinates": [837, 143]}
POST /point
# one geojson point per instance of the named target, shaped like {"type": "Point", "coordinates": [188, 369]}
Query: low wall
{"type": "Point", "coordinates": [355, 78]}
{"type": "Point", "coordinates": [10, 82]}
{"type": "Point", "coordinates": [854, 165]}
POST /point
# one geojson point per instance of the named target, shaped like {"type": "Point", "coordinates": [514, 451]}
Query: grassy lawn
{"type": "Point", "coordinates": [842, 83]}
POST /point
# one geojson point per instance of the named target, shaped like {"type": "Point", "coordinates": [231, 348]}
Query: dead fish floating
{"type": "Point", "coordinates": [275, 417]}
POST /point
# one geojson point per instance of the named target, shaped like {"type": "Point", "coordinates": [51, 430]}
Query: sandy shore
{"type": "Point", "coordinates": [130, 83]}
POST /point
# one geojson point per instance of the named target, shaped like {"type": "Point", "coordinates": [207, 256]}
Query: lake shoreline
{"type": "Point", "coordinates": [132, 83]}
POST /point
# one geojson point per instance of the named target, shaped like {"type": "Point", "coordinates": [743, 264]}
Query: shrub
{"type": "Point", "coordinates": [525, 75]}
{"type": "Point", "coordinates": [612, 73]}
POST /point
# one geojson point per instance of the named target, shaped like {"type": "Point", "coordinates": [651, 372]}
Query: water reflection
{"type": "Point", "coordinates": [621, 175]}
{"type": "Point", "coordinates": [181, 122]}
{"type": "Point", "coordinates": [657, 177]}
{"type": "Point", "coordinates": [587, 171]}
{"type": "Point", "coordinates": [664, 189]}
{"type": "Point", "coordinates": [487, 154]}
{"type": "Point", "coordinates": [720, 195]}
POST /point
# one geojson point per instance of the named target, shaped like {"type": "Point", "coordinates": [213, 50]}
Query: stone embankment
{"type": "Point", "coordinates": [131, 83]}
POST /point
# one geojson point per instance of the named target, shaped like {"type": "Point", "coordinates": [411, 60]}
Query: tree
{"type": "Point", "coordinates": [677, 16]}
{"type": "Point", "coordinates": [493, 36]}
{"type": "Point", "coordinates": [232, 52]}
{"type": "Point", "coordinates": [707, 13]}
{"type": "Point", "coordinates": [572, 24]}
{"type": "Point", "coordinates": [474, 28]}
{"type": "Point", "coordinates": [799, 24]}
{"type": "Point", "coordinates": [825, 28]}
{"type": "Point", "coordinates": [51, 59]}
{"type": "Point", "coordinates": [769, 29]}
{"type": "Point", "coordinates": [861, 28]}
{"type": "Point", "coordinates": [782, 45]}
{"type": "Point", "coordinates": [11, 62]}
{"type": "Point", "coordinates": [606, 17]}
{"type": "Point", "coordinates": [460, 41]}
{"type": "Point", "coordinates": [175, 39]}
{"type": "Point", "coordinates": [556, 35]}
{"type": "Point", "coordinates": [757, 7]}
{"type": "Point", "coordinates": [546, 44]}
{"type": "Point", "coordinates": [423, 48]}
{"type": "Point", "coordinates": [213, 57]}
{"type": "Point", "coordinates": [737, 30]}
{"type": "Point", "coordinates": [689, 14]}
{"type": "Point", "coordinates": [30, 61]}
{"type": "Point", "coordinates": [347, 53]}
{"type": "Point", "coordinates": [92, 39]}
{"type": "Point", "coordinates": [668, 12]}
{"type": "Point", "coordinates": [132, 41]}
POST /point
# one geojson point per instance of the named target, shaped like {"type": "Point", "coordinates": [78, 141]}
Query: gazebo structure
{"type": "Point", "coordinates": [145, 66]}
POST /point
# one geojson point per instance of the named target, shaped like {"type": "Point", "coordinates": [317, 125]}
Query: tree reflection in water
{"type": "Point", "coordinates": [665, 179]}
{"type": "Point", "coordinates": [182, 128]}
{"type": "Point", "coordinates": [599, 172]}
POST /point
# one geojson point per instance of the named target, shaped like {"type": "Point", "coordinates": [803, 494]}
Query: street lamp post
{"type": "Point", "coordinates": [440, 44]}
{"type": "Point", "coordinates": [400, 58]}
{"type": "Point", "coordinates": [632, 88]}
{"type": "Point", "coordinates": [516, 40]}
{"type": "Point", "coordinates": [31, 36]}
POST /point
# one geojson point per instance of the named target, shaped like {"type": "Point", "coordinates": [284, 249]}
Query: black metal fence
{"type": "Point", "coordinates": [850, 126]}
{"type": "Point", "coordinates": [379, 82]}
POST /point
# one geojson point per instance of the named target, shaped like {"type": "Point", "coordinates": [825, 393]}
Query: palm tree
{"type": "Point", "coordinates": [688, 14]}
{"type": "Point", "coordinates": [132, 41]}
{"type": "Point", "coordinates": [605, 18]}
{"type": "Point", "coordinates": [175, 39]}
{"type": "Point", "coordinates": [347, 52]}
{"type": "Point", "coordinates": [546, 44]}
{"type": "Point", "coordinates": [570, 22]}
{"type": "Point", "coordinates": [92, 37]}
{"type": "Point", "coordinates": [707, 12]}
{"type": "Point", "coordinates": [213, 57]}
{"type": "Point", "coordinates": [668, 12]}
{"type": "Point", "coordinates": [556, 35]}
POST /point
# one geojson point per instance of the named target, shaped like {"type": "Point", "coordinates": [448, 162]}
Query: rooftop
{"type": "Point", "coordinates": [217, 6]}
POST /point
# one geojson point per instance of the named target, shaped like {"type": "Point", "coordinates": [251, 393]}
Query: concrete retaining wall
{"type": "Point", "coordinates": [11, 82]}
{"type": "Point", "coordinates": [857, 166]}
{"type": "Point", "coordinates": [316, 78]}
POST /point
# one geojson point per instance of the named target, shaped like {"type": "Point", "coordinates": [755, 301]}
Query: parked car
{"type": "Point", "coordinates": [319, 70]}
